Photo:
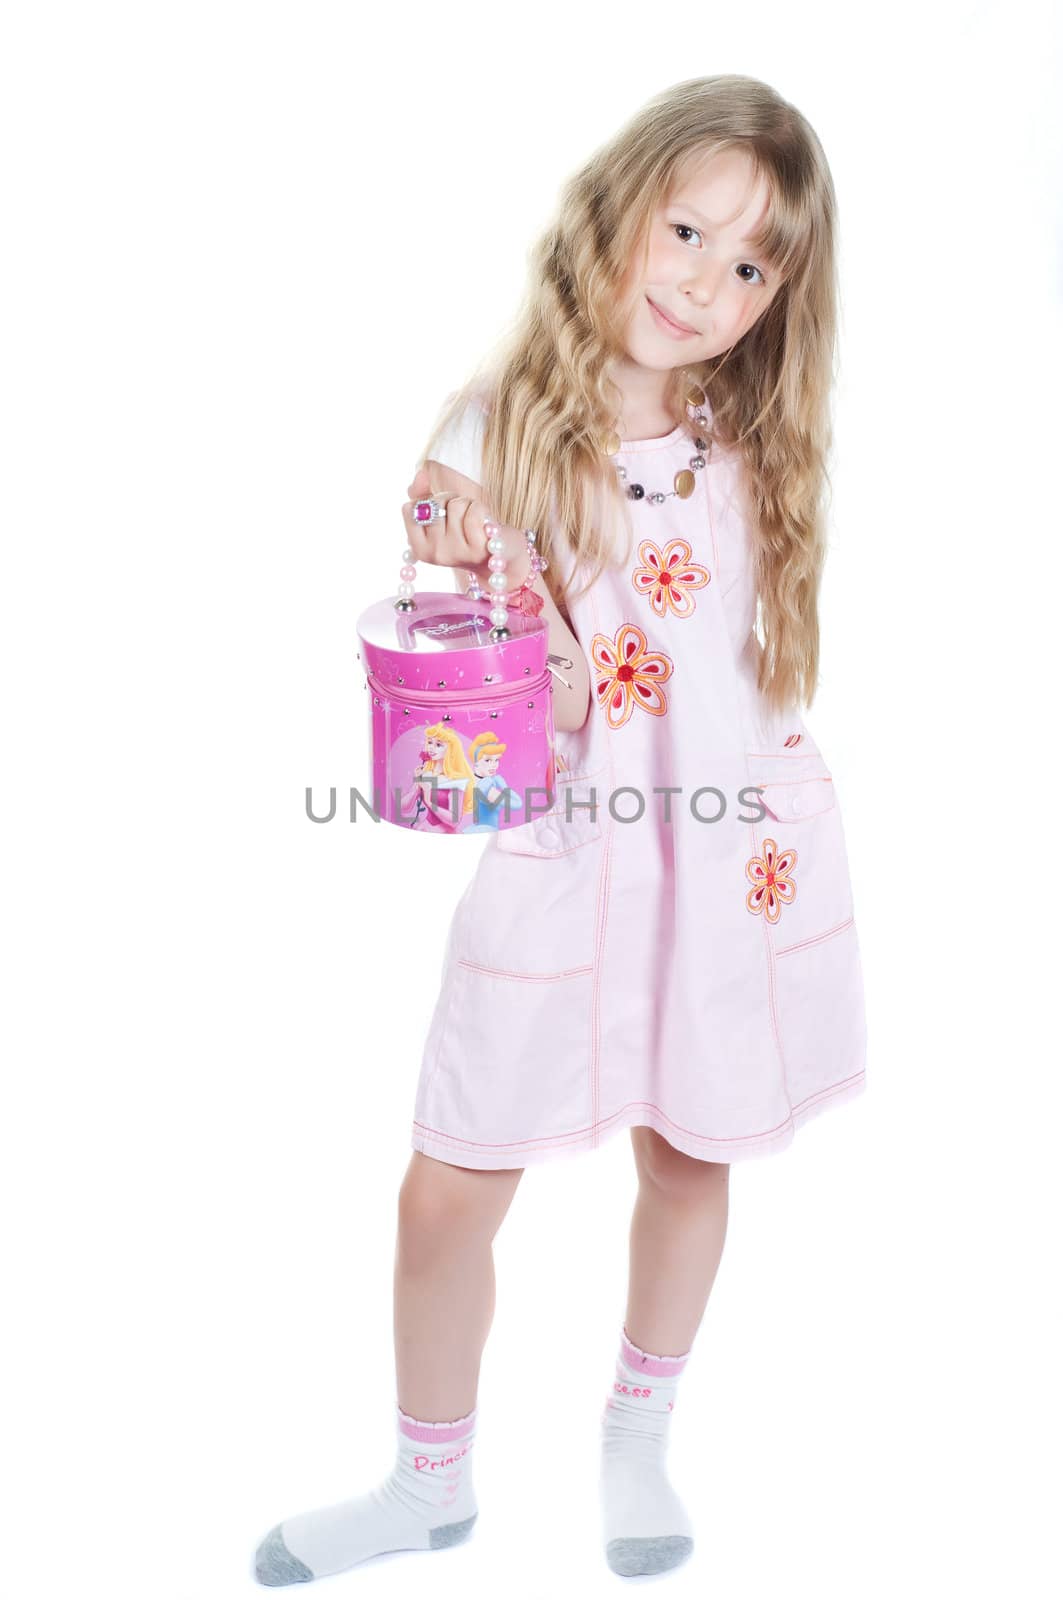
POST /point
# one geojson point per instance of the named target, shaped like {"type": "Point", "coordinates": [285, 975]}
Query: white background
{"type": "Point", "coordinates": [249, 249]}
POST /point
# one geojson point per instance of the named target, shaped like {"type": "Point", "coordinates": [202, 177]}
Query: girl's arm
{"type": "Point", "coordinates": [570, 705]}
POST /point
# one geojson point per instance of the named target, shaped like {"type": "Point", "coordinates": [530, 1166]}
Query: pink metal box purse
{"type": "Point", "coordinates": [461, 714]}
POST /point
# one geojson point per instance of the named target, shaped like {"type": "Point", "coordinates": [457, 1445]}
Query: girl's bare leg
{"type": "Point", "coordinates": [678, 1228]}
{"type": "Point", "coordinates": [445, 1282]}
{"type": "Point", "coordinates": [444, 1303]}
{"type": "Point", "coordinates": [677, 1235]}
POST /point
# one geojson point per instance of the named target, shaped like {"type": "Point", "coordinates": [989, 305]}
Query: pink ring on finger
{"type": "Point", "coordinates": [427, 511]}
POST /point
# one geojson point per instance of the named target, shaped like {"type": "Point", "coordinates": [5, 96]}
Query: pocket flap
{"type": "Point", "coordinates": [792, 787]}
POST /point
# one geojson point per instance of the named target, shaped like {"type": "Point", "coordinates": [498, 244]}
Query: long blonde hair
{"type": "Point", "coordinates": [550, 403]}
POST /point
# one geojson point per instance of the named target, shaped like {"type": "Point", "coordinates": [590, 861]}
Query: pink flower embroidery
{"type": "Point", "coordinates": [629, 675]}
{"type": "Point", "coordinates": [770, 873]}
{"type": "Point", "coordinates": [667, 577]}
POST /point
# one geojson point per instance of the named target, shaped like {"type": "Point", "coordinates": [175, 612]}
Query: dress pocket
{"type": "Point", "coordinates": [819, 1007]}
{"type": "Point", "coordinates": [508, 1071]}
{"type": "Point", "coordinates": [798, 874]}
{"type": "Point", "coordinates": [531, 910]}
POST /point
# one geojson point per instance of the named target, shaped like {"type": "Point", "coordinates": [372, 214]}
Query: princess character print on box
{"type": "Point", "coordinates": [490, 788]}
{"type": "Point", "coordinates": [458, 789]}
{"type": "Point", "coordinates": [439, 795]}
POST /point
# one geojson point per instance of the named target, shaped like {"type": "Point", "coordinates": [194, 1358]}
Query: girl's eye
{"type": "Point", "coordinates": [687, 228]}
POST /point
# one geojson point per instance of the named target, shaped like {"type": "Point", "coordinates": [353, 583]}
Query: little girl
{"type": "Point", "coordinates": [670, 948]}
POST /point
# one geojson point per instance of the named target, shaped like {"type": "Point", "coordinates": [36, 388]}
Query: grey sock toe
{"type": "Point", "coordinates": [451, 1532]}
{"type": "Point", "coordinates": [276, 1566]}
{"type": "Point", "coordinates": [632, 1557]}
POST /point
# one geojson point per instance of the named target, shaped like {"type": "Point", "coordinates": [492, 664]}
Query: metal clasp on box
{"type": "Point", "coordinates": [562, 661]}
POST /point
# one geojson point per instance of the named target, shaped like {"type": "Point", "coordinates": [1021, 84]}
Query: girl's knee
{"type": "Point", "coordinates": [672, 1171]}
{"type": "Point", "coordinates": [441, 1204]}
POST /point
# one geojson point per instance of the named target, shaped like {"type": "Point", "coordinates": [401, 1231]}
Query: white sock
{"type": "Point", "coordinates": [645, 1524]}
{"type": "Point", "coordinates": [426, 1502]}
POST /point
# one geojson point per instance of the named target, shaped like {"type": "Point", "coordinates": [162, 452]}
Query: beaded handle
{"type": "Point", "coordinates": [507, 599]}
{"type": "Point", "coordinates": [429, 511]}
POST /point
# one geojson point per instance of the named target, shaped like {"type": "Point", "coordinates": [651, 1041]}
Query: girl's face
{"type": "Point", "coordinates": [487, 766]}
{"type": "Point", "coordinates": [436, 748]}
{"type": "Point", "coordinates": [701, 270]}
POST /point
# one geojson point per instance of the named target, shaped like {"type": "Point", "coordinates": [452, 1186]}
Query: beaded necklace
{"type": "Point", "coordinates": [683, 482]}
{"type": "Point", "coordinates": [523, 598]}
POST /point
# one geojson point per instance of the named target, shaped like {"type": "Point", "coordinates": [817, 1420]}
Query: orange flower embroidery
{"type": "Point", "coordinates": [771, 875]}
{"type": "Point", "coordinates": [667, 576]}
{"type": "Point", "coordinates": [629, 675]}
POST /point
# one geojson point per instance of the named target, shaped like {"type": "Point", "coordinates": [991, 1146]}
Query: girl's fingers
{"type": "Point", "coordinates": [465, 525]}
{"type": "Point", "coordinates": [473, 532]}
{"type": "Point", "coordinates": [459, 540]}
{"type": "Point", "coordinates": [419, 535]}
{"type": "Point", "coordinates": [441, 543]}
{"type": "Point", "coordinates": [464, 544]}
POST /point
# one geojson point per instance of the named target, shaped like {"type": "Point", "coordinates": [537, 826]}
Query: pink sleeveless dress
{"type": "Point", "coordinates": [688, 961]}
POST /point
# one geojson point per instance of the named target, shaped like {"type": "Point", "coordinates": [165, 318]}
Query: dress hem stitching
{"type": "Point", "coordinates": [425, 1135]}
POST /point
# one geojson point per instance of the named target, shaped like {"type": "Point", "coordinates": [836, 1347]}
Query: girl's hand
{"type": "Point", "coordinates": [460, 541]}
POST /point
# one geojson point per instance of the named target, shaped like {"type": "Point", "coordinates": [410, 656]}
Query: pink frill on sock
{"type": "Point", "coordinates": [641, 1361]}
{"type": "Point", "coordinates": [435, 1432]}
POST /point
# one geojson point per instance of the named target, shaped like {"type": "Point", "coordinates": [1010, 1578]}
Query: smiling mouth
{"type": "Point", "coordinates": [681, 327]}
